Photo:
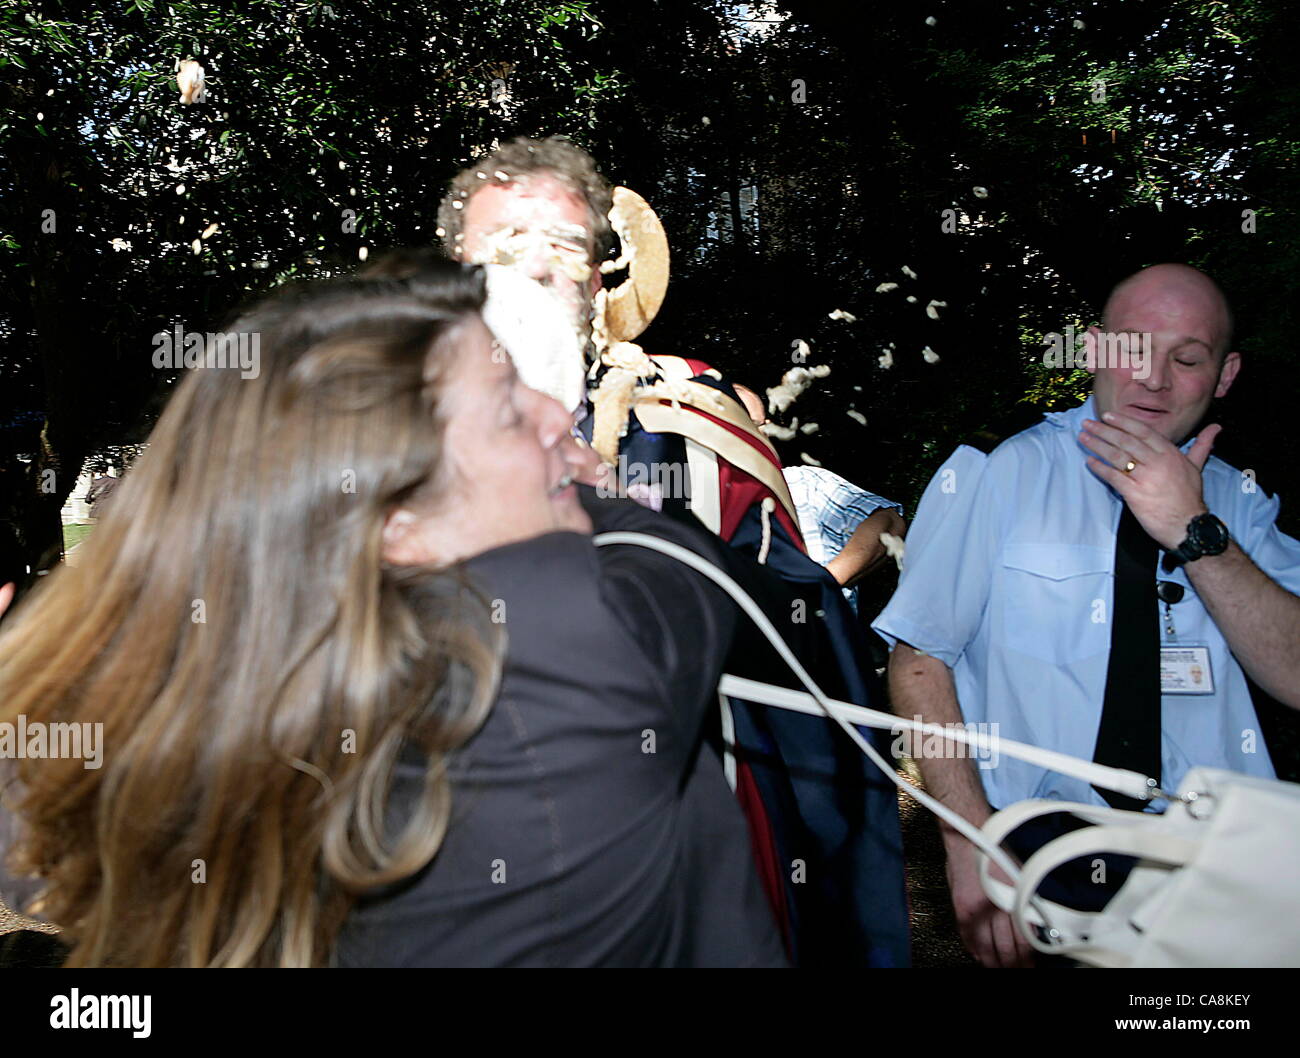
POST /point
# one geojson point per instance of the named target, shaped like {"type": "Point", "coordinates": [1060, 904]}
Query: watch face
{"type": "Point", "coordinates": [1209, 534]}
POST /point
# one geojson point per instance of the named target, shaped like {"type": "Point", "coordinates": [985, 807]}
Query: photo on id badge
{"type": "Point", "coordinates": [1184, 664]}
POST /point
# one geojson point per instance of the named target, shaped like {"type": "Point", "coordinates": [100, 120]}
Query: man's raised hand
{"type": "Point", "coordinates": [1163, 488]}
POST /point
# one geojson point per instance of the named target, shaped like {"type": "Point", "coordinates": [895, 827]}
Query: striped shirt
{"type": "Point", "coordinates": [830, 509]}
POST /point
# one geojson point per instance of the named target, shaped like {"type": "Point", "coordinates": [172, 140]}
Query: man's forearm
{"type": "Point", "coordinates": [864, 553]}
{"type": "Point", "coordinates": [920, 685]}
{"type": "Point", "coordinates": [1257, 616]}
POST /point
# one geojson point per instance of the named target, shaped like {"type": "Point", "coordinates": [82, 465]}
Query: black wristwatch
{"type": "Point", "coordinates": [1206, 535]}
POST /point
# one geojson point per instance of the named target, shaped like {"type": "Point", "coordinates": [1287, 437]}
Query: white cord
{"type": "Point", "coordinates": [729, 770]}
{"type": "Point", "coordinates": [765, 513]}
{"type": "Point", "coordinates": [1131, 783]}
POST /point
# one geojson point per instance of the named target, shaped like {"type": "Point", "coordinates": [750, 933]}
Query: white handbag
{"type": "Point", "coordinates": [1217, 882]}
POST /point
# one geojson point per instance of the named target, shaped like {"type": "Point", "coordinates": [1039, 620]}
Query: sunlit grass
{"type": "Point", "coordinates": [74, 534]}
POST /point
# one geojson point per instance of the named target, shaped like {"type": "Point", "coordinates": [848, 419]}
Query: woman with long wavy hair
{"type": "Point", "coordinates": [293, 626]}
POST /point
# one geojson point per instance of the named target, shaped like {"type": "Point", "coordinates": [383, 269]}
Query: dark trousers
{"type": "Point", "coordinates": [1085, 884]}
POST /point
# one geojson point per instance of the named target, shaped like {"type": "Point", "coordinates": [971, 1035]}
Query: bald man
{"type": "Point", "coordinates": [1101, 585]}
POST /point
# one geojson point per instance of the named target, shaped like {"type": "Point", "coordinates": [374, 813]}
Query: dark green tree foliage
{"type": "Point", "coordinates": [327, 128]}
{"type": "Point", "coordinates": [799, 157]}
{"type": "Point", "coordinates": [1073, 144]}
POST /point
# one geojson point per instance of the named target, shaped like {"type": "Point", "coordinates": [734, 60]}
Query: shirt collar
{"type": "Point", "coordinates": [1072, 419]}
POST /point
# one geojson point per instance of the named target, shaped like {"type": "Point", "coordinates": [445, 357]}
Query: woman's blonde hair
{"type": "Point", "coordinates": [254, 664]}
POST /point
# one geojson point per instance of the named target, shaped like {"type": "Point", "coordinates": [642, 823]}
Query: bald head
{"type": "Point", "coordinates": [1181, 360]}
{"type": "Point", "coordinates": [1172, 297]}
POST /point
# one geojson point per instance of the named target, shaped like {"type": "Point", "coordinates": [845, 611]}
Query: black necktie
{"type": "Point", "coordinates": [1129, 735]}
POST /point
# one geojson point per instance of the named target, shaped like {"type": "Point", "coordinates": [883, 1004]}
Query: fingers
{"type": "Point", "coordinates": [1116, 479]}
{"type": "Point", "coordinates": [991, 937]}
{"type": "Point", "coordinates": [985, 947]}
{"type": "Point", "coordinates": [1134, 428]}
{"type": "Point", "coordinates": [988, 933]}
{"type": "Point", "coordinates": [1004, 939]}
{"type": "Point", "coordinates": [1113, 454]}
{"type": "Point", "coordinates": [977, 938]}
{"type": "Point", "coordinates": [1200, 451]}
{"type": "Point", "coordinates": [1022, 952]}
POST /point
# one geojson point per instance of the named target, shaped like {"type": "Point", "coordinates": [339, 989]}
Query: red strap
{"type": "Point", "coordinates": [763, 843]}
{"type": "Point", "coordinates": [739, 491]}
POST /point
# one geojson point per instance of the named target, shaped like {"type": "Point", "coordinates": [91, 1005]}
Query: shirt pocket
{"type": "Point", "coordinates": [1057, 600]}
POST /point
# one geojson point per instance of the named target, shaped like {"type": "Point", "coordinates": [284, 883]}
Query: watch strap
{"type": "Point", "coordinates": [1190, 549]}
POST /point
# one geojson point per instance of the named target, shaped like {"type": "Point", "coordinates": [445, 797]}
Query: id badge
{"type": "Point", "coordinates": [1185, 669]}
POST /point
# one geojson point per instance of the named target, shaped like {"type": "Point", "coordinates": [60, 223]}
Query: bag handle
{"type": "Point", "coordinates": [1000, 824]}
{"type": "Point", "coordinates": [1137, 839]}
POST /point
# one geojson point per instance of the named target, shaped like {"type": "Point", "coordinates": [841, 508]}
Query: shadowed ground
{"type": "Point", "coordinates": [935, 941]}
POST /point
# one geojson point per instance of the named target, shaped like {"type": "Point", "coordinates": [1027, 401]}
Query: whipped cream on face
{"type": "Point", "coordinates": [532, 325]}
{"type": "Point", "coordinates": [533, 239]}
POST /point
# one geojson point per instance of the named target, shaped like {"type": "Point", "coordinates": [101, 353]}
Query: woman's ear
{"type": "Point", "coordinates": [401, 543]}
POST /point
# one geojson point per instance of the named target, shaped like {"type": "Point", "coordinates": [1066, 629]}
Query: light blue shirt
{"type": "Point", "coordinates": [830, 508]}
{"type": "Point", "coordinates": [1008, 579]}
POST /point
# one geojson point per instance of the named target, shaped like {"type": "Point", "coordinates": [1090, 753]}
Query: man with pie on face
{"type": "Point", "coordinates": [824, 824]}
{"type": "Point", "coordinates": [1101, 585]}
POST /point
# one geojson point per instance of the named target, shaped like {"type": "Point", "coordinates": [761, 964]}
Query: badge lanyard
{"type": "Point", "coordinates": [1184, 666]}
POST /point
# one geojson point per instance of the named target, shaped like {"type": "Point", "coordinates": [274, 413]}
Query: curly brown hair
{"type": "Point", "coordinates": [519, 159]}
